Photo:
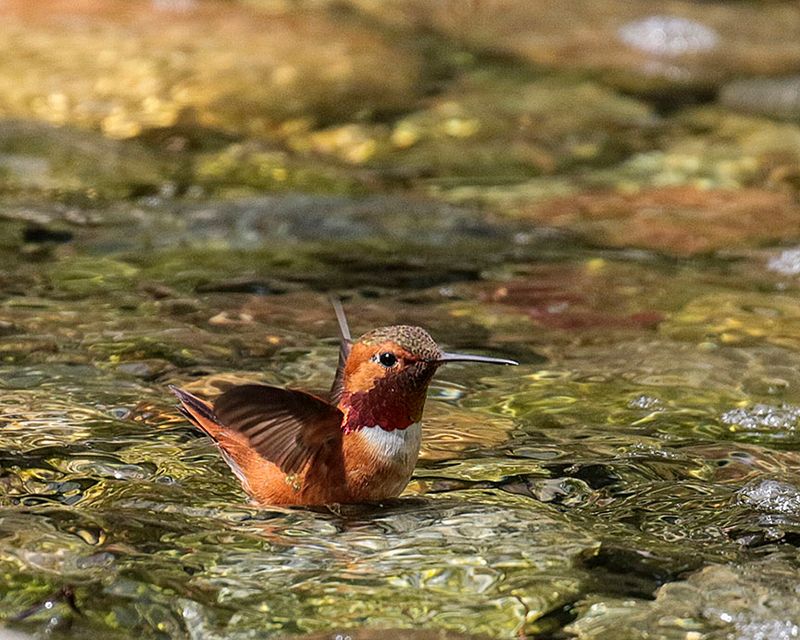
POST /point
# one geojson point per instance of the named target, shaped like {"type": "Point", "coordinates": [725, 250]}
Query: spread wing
{"type": "Point", "coordinates": [285, 426]}
{"type": "Point", "coordinates": [345, 342]}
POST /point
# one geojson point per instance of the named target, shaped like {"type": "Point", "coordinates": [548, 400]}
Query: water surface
{"type": "Point", "coordinates": [184, 183]}
{"type": "Point", "coordinates": [649, 432]}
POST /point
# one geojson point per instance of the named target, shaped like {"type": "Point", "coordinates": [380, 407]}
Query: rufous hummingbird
{"type": "Point", "coordinates": [289, 447]}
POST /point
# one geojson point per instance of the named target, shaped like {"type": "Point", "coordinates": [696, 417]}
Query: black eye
{"type": "Point", "coordinates": [387, 359]}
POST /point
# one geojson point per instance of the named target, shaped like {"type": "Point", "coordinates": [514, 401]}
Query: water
{"type": "Point", "coordinates": [633, 444]}
{"type": "Point", "coordinates": [184, 183]}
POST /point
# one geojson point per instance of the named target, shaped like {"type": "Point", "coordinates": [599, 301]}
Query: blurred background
{"type": "Point", "coordinates": [605, 190]}
{"type": "Point", "coordinates": [659, 110]}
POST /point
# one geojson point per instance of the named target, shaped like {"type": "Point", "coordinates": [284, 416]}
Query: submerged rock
{"type": "Point", "coordinates": [126, 67]}
{"type": "Point", "coordinates": [597, 295]}
{"type": "Point", "coordinates": [774, 97]}
{"type": "Point", "coordinates": [42, 157]}
{"type": "Point", "coordinates": [675, 220]}
{"type": "Point", "coordinates": [412, 564]}
{"type": "Point", "coordinates": [736, 318]}
{"type": "Point", "coordinates": [754, 600]}
{"type": "Point", "coordinates": [495, 126]}
{"type": "Point", "coordinates": [252, 166]}
{"type": "Point", "coordinates": [634, 45]}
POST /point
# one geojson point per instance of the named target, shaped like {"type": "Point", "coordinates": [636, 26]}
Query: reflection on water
{"type": "Point", "coordinates": [627, 455]}
{"type": "Point", "coordinates": [637, 476]}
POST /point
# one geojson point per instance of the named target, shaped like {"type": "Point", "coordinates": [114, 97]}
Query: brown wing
{"type": "Point", "coordinates": [345, 342]}
{"type": "Point", "coordinates": [285, 426]}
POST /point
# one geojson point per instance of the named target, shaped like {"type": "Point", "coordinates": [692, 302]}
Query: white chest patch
{"type": "Point", "coordinates": [400, 445]}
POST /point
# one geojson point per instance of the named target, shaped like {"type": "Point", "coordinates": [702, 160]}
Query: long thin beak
{"type": "Point", "coordinates": [466, 357]}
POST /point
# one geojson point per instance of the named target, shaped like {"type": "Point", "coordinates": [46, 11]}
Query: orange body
{"type": "Point", "coordinates": [357, 471]}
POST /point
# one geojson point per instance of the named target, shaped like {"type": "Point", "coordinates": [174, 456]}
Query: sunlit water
{"type": "Point", "coordinates": [650, 433]}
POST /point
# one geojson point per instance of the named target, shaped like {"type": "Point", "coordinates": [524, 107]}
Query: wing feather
{"type": "Point", "coordinates": [285, 426]}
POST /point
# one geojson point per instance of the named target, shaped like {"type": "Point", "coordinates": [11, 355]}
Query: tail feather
{"type": "Point", "coordinates": [197, 411]}
{"type": "Point", "coordinates": [201, 414]}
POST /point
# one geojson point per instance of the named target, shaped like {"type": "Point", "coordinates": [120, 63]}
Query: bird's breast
{"type": "Point", "coordinates": [396, 445]}
{"type": "Point", "coordinates": [380, 460]}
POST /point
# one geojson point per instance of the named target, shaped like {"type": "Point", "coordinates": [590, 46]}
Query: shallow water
{"type": "Point", "coordinates": [595, 193]}
{"type": "Point", "coordinates": [649, 432]}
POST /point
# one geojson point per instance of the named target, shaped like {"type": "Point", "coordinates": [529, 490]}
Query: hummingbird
{"type": "Point", "coordinates": [289, 447]}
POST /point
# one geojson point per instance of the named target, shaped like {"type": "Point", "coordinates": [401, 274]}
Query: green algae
{"type": "Point", "coordinates": [265, 170]}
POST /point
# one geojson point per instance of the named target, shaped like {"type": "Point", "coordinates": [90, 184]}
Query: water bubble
{"type": "Point", "coordinates": [645, 402]}
{"type": "Point", "coordinates": [771, 495]}
{"type": "Point", "coordinates": [763, 416]}
{"type": "Point", "coordinates": [668, 36]}
{"type": "Point", "coordinates": [787, 263]}
{"type": "Point", "coordinates": [764, 629]}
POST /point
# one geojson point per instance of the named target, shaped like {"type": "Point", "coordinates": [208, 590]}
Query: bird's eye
{"type": "Point", "coordinates": [387, 359]}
